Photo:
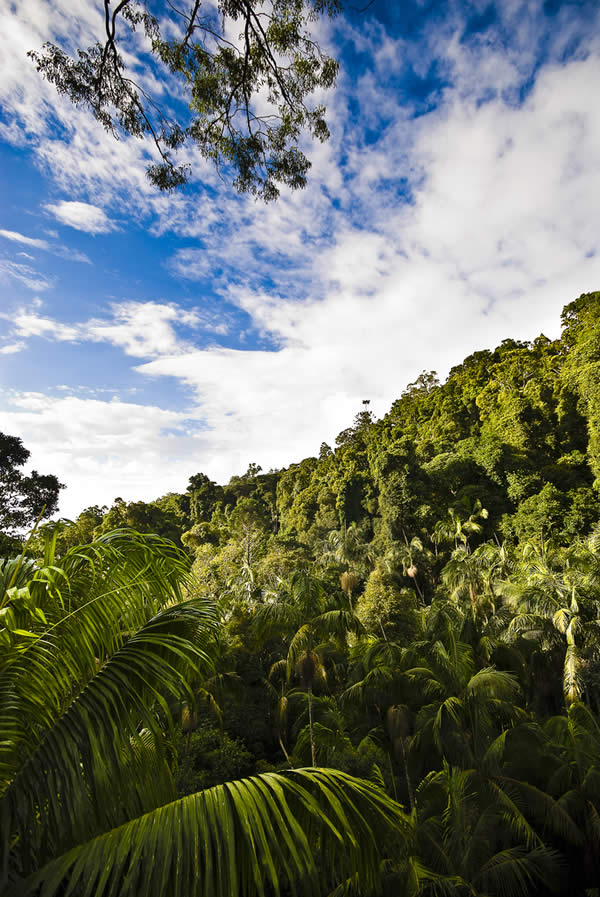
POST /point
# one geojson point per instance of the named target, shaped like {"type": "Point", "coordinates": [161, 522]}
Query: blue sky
{"type": "Point", "coordinates": [146, 337]}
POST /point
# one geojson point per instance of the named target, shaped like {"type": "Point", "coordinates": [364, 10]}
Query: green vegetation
{"type": "Point", "coordinates": [414, 615]}
{"type": "Point", "coordinates": [102, 664]}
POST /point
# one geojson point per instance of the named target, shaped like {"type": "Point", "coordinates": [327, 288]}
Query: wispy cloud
{"type": "Point", "coordinates": [24, 274]}
{"type": "Point", "coordinates": [21, 238]}
{"type": "Point", "coordinates": [66, 252]}
{"type": "Point", "coordinates": [71, 255]}
{"type": "Point", "coordinates": [26, 324]}
{"type": "Point", "coordinates": [81, 216]}
{"type": "Point", "coordinates": [143, 329]}
{"type": "Point", "coordinates": [140, 329]}
{"type": "Point", "coordinates": [11, 348]}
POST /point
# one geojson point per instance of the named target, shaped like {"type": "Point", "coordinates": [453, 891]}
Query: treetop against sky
{"type": "Point", "coordinates": [147, 335]}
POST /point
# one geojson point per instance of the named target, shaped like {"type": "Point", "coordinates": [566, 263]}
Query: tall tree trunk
{"type": "Point", "coordinates": [411, 796]}
{"type": "Point", "coordinates": [310, 725]}
{"type": "Point", "coordinates": [393, 777]}
{"type": "Point", "coordinates": [282, 746]}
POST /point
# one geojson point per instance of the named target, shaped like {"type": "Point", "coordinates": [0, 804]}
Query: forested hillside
{"type": "Point", "coordinates": [514, 431]}
{"type": "Point", "coordinates": [417, 607]}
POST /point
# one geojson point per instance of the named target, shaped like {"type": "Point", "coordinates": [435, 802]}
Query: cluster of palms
{"type": "Point", "coordinates": [484, 727]}
{"type": "Point", "coordinates": [463, 760]}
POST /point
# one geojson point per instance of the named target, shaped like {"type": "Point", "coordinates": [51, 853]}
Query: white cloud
{"type": "Point", "coordinates": [71, 255]}
{"type": "Point", "coordinates": [24, 274]}
{"type": "Point", "coordinates": [27, 324]}
{"type": "Point", "coordinates": [81, 216]}
{"type": "Point", "coordinates": [11, 348]}
{"type": "Point", "coordinates": [141, 329]}
{"type": "Point", "coordinates": [65, 252]}
{"type": "Point", "coordinates": [192, 264]}
{"type": "Point", "coordinates": [20, 238]}
{"type": "Point", "coordinates": [100, 449]}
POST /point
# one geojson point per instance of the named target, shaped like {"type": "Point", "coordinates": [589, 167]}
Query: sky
{"type": "Point", "coordinates": [145, 336]}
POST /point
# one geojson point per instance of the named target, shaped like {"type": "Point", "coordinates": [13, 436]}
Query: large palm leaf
{"type": "Point", "coordinates": [77, 778]}
{"type": "Point", "coordinates": [297, 830]}
{"type": "Point", "coordinates": [81, 703]}
{"type": "Point", "coordinates": [113, 587]}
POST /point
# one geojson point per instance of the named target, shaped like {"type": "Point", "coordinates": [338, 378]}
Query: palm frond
{"type": "Point", "coordinates": [516, 870]}
{"type": "Point", "coordinates": [496, 683]}
{"type": "Point", "coordinates": [274, 616]}
{"type": "Point", "coordinates": [492, 759]}
{"type": "Point", "coordinates": [278, 670]}
{"type": "Point", "coordinates": [328, 741]}
{"type": "Point", "coordinates": [376, 682]}
{"type": "Point", "coordinates": [127, 563]}
{"type": "Point", "coordinates": [521, 797]}
{"type": "Point", "coordinates": [60, 764]}
{"type": "Point", "coordinates": [300, 644]}
{"type": "Point", "coordinates": [338, 623]}
{"type": "Point", "coordinates": [112, 587]}
{"type": "Point", "coordinates": [297, 830]}
{"type": "Point", "coordinates": [15, 573]}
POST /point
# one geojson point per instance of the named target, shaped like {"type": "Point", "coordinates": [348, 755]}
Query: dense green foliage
{"type": "Point", "coordinates": [418, 609]}
{"type": "Point", "coordinates": [102, 664]}
{"type": "Point", "coordinates": [514, 431]}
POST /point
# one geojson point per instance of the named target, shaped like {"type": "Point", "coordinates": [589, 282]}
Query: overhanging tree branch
{"type": "Point", "coordinates": [221, 82]}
